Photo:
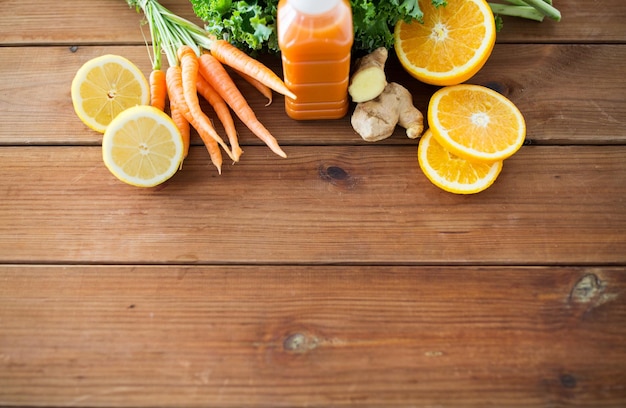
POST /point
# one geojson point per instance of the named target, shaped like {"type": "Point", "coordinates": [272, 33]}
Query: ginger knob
{"type": "Point", "coordinates": [368, 79]}
{"type": "Point", "coordinates": [376, 119]}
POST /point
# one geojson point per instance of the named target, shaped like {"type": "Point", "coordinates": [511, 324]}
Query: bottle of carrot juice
{"type": "Point", "coordinates": [315, 38]}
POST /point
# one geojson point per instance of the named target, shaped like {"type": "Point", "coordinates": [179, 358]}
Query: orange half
{"type": "Point", "coordinates": [451, 45]}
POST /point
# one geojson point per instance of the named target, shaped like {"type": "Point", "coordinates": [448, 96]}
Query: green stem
{"type": "Point", "coordinates": [516, 2]}
{"type": "Point", "coordinates": [156, 42]}
{"type": "Point", "coordinates": [526, 11]}
{"type": "Point", "coordinates": [547, 9]}
{"type": "Point", "coordinates": [170, 31]}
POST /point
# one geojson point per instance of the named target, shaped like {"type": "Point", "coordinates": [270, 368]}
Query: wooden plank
{"type": "Point", "coordinates": [107, 21]}
{"type": "Point", "coordinates": [549, 83]}
{"type": "Point", "coordinates": [582, 22]}
{"type": "Point", "coordinates": [27, 22]}
{"type": "Point", "coordinates": [350, 204]}
{"type": "Point", "coordinates": [312, 336]}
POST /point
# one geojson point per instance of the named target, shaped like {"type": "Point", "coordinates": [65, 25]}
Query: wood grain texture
{"type": "Point", "coordinates": [337, 277]}
{"type": "Point", "coordinates": [369, 204]}
{"type": "Point", "coordinates": [78, 22]}
{"type": "Point", "coordinates": [290, 336]}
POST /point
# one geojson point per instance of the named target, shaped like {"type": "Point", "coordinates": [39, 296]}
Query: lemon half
{"type": "Point", "coordinates": [105, 86]}
{"type": "Point", "coordinates": [142, 146]}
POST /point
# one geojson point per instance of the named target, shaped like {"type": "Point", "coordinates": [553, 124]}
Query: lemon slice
{"type": "Point", "coordinates": [476, 123]}
{"type": "Point", "coordinates": [105, 86]}
{"type": "Point", "coordinates": [452, 173]}
{"type": "Point", "coordinates": [451, 45]}
{"type": "Point", "coordinates": [142, 146]}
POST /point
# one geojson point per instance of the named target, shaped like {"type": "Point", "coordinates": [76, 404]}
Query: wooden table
{"type": "Point", "coordinates": [338, 276]}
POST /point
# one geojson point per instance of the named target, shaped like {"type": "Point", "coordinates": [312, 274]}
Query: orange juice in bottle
{"type": "Point", "coordinates": [315, 38]}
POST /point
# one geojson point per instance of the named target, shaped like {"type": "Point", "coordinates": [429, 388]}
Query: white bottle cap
{"type": "Point", "coordinates": [313, 6]}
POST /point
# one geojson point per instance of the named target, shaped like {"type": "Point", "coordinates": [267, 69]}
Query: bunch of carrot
{"type": "Point", "coordinates": [196, 67]}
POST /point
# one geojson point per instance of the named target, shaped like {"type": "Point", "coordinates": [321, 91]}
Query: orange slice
{"type": "Point", "coordinates": [452, 44]}
{"type": "Point", "coordinates": [476, 123]}
{"type": "Point", "coordinates": [452, 173]}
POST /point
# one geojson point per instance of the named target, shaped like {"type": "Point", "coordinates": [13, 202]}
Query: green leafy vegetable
{"type": "Point", "coordinates": [374, 20]}
{"type": "Point", "coordinates": [245, 24]}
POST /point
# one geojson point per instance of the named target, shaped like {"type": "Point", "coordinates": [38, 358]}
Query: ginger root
{"type": "Point", "coordinates": [368, 79]}
{"type": "Point", "coordinates": [377, 119]}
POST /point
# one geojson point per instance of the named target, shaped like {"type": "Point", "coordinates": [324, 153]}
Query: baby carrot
{"type": "Point", "coordinates": [158, 89]}
{"type": "Point", "coordinates": [177, 98]}
{"type": "Point", "coordinates": [222, 111]}
{"type": "Point", "coordinates": [215, 74]}
{"type": "Point", "coordinates": [232, 56]}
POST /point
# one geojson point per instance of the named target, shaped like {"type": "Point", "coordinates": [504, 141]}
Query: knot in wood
{"type": "Point", "coordinates": [568, 381]}
{"type": "Point", "coordinates": [333, 173]}
{"type": "Point", "coordinates": [499, 87]}
{"type": "Point", "coordinates": [337, 176]}
{"type": "Point", "coordinates": [300, 343]}
{"type": "Point", "coordinates": [588, 288]}
{"type": "Point", "coordinates": [337, 173]}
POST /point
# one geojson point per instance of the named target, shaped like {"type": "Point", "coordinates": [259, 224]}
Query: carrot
{"type": "Point", "coordinates": [177, 98]}
{"type": "Point", "coordinates": [189, 74]}
{"type": "Point", "coordinates": [183, 126]}
{"type": "Point", "coordinates": [232, 56]}
{"type": "Point", "coordinates": [158, 89]}
{"type": "Point", "coordinates": [222, 111]}
{"type": "Point", "coordinates": [158, 97]}
{"type": "Point", "coordinates": [215, 74]}
{"type": "Point", "coordinates": [259, 86]}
